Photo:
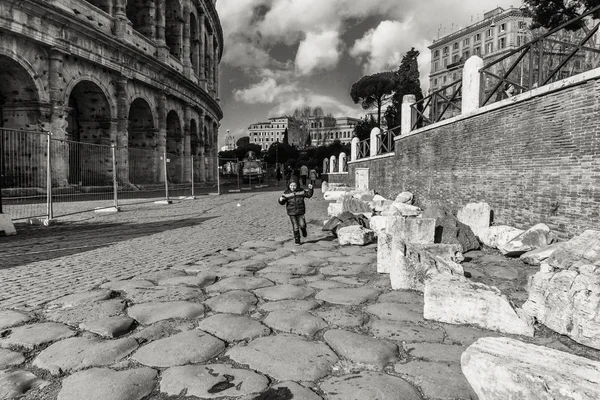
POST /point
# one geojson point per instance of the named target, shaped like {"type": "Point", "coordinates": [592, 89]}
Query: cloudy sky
{"type": "Point", "coordinates": [284, 54]}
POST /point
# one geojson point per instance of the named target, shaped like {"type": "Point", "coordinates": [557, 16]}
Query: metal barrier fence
{"type": "Point", "coordinates": [440, 104]}
{"type": "Point", "coordinates": [44, 177]}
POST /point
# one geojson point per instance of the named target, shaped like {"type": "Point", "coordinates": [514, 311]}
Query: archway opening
{"type": "Point", "coordinates": [142, 14]}
{"type": "Point", "coordinates": [174, 27]}
{"type": "Point", "coordinates": [23, 161]}
{"type": "Point", "coordinates": [143, 166]}
{"type": "Point", "coordinates": [89, 125]}
{"type": "Point", "coordinates": [195, 43]}
{"type": "Point", "coordinates": [174, 148]}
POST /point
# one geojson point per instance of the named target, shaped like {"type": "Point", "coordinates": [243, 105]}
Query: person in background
{"type": "Point", "coordinates": [312, 175]}
{"type": "Point", "coordinates": [303, 174]}
{"type": "Point", "coordinates": [278, 175]}
{"type": "Point", "coordinates": [288, 175]}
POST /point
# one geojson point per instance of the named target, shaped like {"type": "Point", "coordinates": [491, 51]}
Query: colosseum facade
{"type": "Point", "coordinates": [137, 74]}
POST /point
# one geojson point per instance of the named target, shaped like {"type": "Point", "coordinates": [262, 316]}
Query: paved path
{"type": "Point", "coordinates": [205, 299]}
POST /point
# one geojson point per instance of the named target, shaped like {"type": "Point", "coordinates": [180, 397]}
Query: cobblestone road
{"type": "Point", "coordinates": [82, 251]}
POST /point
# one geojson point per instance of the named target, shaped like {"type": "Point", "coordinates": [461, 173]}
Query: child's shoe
{"type": "Point", "coordinates": [297, 238]}
{"type": "Point", "coordinates": [303, 232]}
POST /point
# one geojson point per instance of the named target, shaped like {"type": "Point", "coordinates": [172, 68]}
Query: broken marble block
{"type": "Point", "coordinates": [455, 300]}
{"type": "Point", "coordinates": [580, 250]}
{"type": "Point", "coordinates": [355, 235]}
{"type": "Point", "coordinates": [404, 197]}
{"type": "Point", "coordinates": [535, 257]}
{"type": "Point", "coordinates": [498, 235]}
{"type": "Point", "coordinates": [354, 205]}
{"type": "Point", "coordinates": [413, 230]}
{"type": "Point", "coordinates": [384, 253]}
{"type": "Point", "coordinates": [334, 209]}
{"type": "Point", "coordinates": [533, 238]}
{"type": "Point", "coordinates": [477, 216]}
{"type": "Point", "coordinates": [414, 264]}
{"type": "Point", "coordinates": [502, 368]}
{"type": "Point", "coordinates": [378, 224]}
{"type": "Point", "coordinates": [568, 302]}
{"type": "Point", "coordinates": [406, 209]}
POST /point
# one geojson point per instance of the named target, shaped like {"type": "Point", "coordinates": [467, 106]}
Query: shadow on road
{"type": "Point", "coordinates": [35, 243]}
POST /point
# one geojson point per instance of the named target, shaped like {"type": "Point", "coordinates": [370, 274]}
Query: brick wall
{"type": "Point", "coordinates": [533, 161]}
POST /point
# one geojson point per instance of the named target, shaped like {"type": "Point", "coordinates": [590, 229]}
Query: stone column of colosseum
{"type": "Point", "coordinates": [162, 49]}
{"type": "Point", "coordinates": [122, 143]}
{"type": "Point", "coordinates": [162, 131]}
{"type": "Point", "coordinates": [187, 144]}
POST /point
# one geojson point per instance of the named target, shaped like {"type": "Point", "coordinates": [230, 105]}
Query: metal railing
{"type": "Point", "coordinates": [364, 149]}
{"type": "Point", "coordinates": [441, 104]}
{"type": "Point", "coordinates": [554, 55]}
{"type": "Point", "coordinates": [386, 140]}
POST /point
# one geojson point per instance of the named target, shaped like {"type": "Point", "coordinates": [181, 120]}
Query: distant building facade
{"type": "Point", "coordinates": [500, 32]}
{"type": "Point", "coordinates": [324, 130]}
{"type": "Point", "coordinates": [265, 134]}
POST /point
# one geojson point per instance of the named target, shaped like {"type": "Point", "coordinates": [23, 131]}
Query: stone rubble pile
{"type": "Point", "coordinates": [421, 250]}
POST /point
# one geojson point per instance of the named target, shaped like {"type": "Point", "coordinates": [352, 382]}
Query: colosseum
{"type": "Point", "coordinates": [136, 74]}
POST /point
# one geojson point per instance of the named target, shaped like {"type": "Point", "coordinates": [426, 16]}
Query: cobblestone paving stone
{"type": "Point", "coordinates": [331, 352]}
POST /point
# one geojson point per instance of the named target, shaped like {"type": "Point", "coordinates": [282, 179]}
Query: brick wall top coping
{"type": "Point", "coordinates": [541, 91]}
{"type": "Point", "coordinates": [386, 155]}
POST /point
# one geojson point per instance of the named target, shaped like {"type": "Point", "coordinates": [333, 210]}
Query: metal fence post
{"type": "Point", "coordinates": [166, 176]}
{"type": "Point", "coordinates": [115, 184]}
{"type": "Point", "coordinates": [49, 210]}
{"type": "Point", "coordinates": [192, 162]}
{"type": "Point", "coordinates": [218, 178]}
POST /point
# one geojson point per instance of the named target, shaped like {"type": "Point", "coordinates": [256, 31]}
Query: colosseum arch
{"type": "Point", "coordinates": [19, 95]}
{"type": "Point", "coordinates": [142, 141]}
{"type": "Point", "coordinates": [194, 140]}
{"type": "Point", "coordinates": [174, 27]}
{"type": "Point", "coordinates": [89, 124]}
{"type": "Point", "coordinates": [174, 147]}
{"type": "Point", "coordinates": [195, 43]}
{"type": "Point", "coordinates": [142, 14]}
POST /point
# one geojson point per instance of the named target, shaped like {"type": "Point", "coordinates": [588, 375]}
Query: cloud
{"type": "Point", "coordinates": [318, 51]}
{"type": "Point", "coordinates": [264, 92]}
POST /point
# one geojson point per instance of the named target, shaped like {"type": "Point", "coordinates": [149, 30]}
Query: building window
{"type": "Point", "coordinates": [436, 54]}
{"type": "Point", "coordinates": [436, 66]}
{"type": "Point", "coordinates": [489, 47]}
{"type": "Point", "coordinates": [455, 58]}
{"type": "Point", "coordinates": [501, 43]}
{"type": "Point", "coordinates": [435, 82]}
{"type": "Point", "coordinates": [477, 37]}
{"type": "Point", "coordinates": [522, 25]}
{"type": "Point", "coordinates": [502, 28]}
{"type": "Point", "coordinates": [477, 51]}
{"type": "Point", "coordinates": [466, 55]}
{"type": "Point", "coordinates": [489, 33]}
{"type": "Point", "coordinates": [444, 79]}
{"type": "Point", "coordinates": [445, 62]}
{"type": "Point", "coordinates": [455, 46]}
{"type": "Point", "coordinates": [466, 42]}
{"type": "Point", "coordinates": [577, 64]}
{"type": "Point", "coordinates": [446, 50]}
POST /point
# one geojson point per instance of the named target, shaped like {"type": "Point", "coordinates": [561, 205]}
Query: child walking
{"type": "Point", "coordinates": [293, 198]}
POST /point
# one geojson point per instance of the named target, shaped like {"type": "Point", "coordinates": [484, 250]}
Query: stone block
{"type": "Point", "coordinates": [414, 264]}
{"type": "Point", "coordinates": [568, 302]}
{"type": "Point", "coordinates": [381, 205]}
{"type": "Point", "coordinates": [378, 224]}
{"type": "Point", "coordinates": [450, 230]}
{"type": "Point", "coordinates": [404, 197]}
{"type": "Point", "coordinates": [535, 257]}
{"type": "Point", "coordinates": [497, 236]}
{"type": "Point", "coordinates": [580, 250]}
{"type": "Point", "coordinates": [533, 238]}
{"type": "Point", "coordinates": [324, 187]}
{"type": "Point", "coordinates": [354, 205]}
{"type": "Point", "coordinates": [384, 253]}
{"type": "Point", "coordinates": [334, 195]}
{"type": "Point", "coordinates": [476, 216]}
{"type": "Point", "coordinates": [504, 368]}
{"type": "Point", "coordinates": [413, 230]}
{"type": "Point", "coordinates": [407, 210]}
{"type": "Point", "coordinates": [455, 300]}
{"type": "Point", "coordinates": [335, 209]}
{"type": "Point", "coordinates": [355, 235]}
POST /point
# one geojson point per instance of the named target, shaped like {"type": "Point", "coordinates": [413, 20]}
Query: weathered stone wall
{"type": "Point", "coordinates": [90, 75]}
{"type": "Point", "coordinates": [532, 161]}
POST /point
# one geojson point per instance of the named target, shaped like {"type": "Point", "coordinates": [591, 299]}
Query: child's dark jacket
{"type": "Point", "coordinates": [294, 201]}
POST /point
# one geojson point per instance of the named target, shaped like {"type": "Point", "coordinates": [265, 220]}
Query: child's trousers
{"type": "Point", "coordinates": [298, 222]}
